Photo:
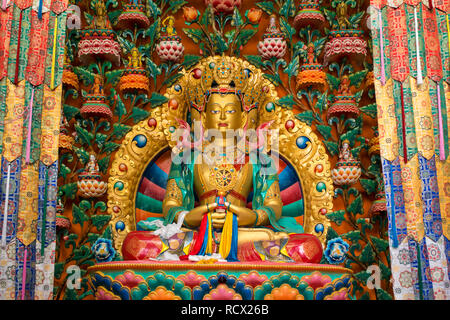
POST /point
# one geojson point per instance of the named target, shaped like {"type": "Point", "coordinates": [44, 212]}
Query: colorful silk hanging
{"type": "Point", "coordinates": [29, 130]}
{"type": "Point", "coordinates": [413, 125]}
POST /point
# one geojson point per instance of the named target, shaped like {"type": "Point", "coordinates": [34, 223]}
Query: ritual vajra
{"type": "Point", "coordinates": [224, 150]}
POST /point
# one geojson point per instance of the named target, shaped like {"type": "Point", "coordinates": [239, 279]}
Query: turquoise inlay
{"type": "Point", "coordinates": [321, 187]}
{"type": "Point", "coordinates": [119, 185]}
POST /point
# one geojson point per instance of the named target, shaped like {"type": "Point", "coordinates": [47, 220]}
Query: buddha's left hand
{"type": "Point", "coordinates": [245, 216]}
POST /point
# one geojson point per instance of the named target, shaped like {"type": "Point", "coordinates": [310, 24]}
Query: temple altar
{"type": "Point", "coordinates": [223, 160]}
{"type": "Point", "coordinates": [224, 150]}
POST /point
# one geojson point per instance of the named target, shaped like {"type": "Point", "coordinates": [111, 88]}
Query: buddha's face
{"type": "Point", "coordinates": [223, 112]}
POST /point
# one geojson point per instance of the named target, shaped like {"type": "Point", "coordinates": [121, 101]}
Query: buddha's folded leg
{"type": "Point", "coordinates": [144, 245]}
{"type": "Point", "coordinates": [302, 248]}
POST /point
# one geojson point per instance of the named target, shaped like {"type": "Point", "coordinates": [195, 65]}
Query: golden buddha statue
{"type": "Point", "coordinates": [205, 205]}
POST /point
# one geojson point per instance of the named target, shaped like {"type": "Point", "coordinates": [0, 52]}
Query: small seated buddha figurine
{"type": "Point", "coordinates": [342, 15]}
{"type": "Point", "coordinates": [97, 87]}
{"type": "Point", "coordinates": [345, 153]}
{"type": "Point", "coordinates": [205, 205]}
{"type": "Point", "coordinates": [101, 20]}
{"type": "Point", "coordinates": [92, 165]}
{"type": "Point", "coordinates": [344, 86]}
{"type": "Point", "coordinates": [135, 59]}
{"type": "Point", "coordinates": [168, 26]}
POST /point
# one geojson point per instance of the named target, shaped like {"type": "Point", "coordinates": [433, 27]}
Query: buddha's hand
{"type": "Point", "coordinates": [194, 217]}
{"type": "Point", "coordinates": [245, 216]}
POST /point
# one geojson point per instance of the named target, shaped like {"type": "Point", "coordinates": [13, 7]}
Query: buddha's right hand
{"type": "Point", "coordinates": [194, 217]}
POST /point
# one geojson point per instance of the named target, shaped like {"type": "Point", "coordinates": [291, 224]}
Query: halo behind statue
{"type": "Point", "coordinates": [297, 143]}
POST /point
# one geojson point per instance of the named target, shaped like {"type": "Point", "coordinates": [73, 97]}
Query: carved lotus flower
{"type": "Point", "coordinates": [338, 295]}
{"type": "Point", "coordinates": [346, 173]}
{"type": "Point", "coordinates": [129, 279]}
{"type": "Point", "coordinates": [254, 15]}
{"type": "Point", "coordinates": [161, 293]}
{"type": "Point", "coordinates": [91, 188]}
{"type": "Point", "coordinates": [272, 47]}
{"type": "Point", "coordinates": [170, 49]}
{"type": "Point", "coordinates": [103, 294]}
{"type": "Point", "coordinates": [222, 292]}
{"type": "Point", "coordinates": [284, 292]}
{"type": "Point", "coordinates": [223, 6]}
{"type": "Point", "coordinates": [253, 278]}
{"type": "Point", "coordinates": [191, 279]}
{"type": "Point", "coordinates": [316, 280]}
{"type": "Point", "coordinates": [190, 14]}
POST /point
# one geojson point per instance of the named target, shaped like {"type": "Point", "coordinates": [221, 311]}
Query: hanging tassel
{"type": "Point", "coordinates": [405, 152]}
{"type": "Point", "coordinates": [441, 126]}
{"type": "Point", "coordinates": [228, 242]}
{"type": "Point", "coordinates": [4, 5]}
{"type": "Point", "coordinates": [419, 67]}
{"type": "Point", "coordinates": [30, 117]}
{"type": "Point", "coordinates": [40, 9]}
{"type": "Point", "coordinates": [430, 4]}
{"type": "Point", "coordinates": [232, 256]}
{"type": "Point", "coordinates": [207, 237]}
{"type": "Point", "coordinates": [5, 211]}
{"type": "Point", "coordinates": [200, 235]}
{"type": "Point", "coordinates": [24, 273]}
{"type": "Point", "coordinates": [227, 233]}
{"type": "Point", "coordinates": [52, 76]}
{"type": "Point", "coordinates": [209, 247]}
{"type": "Point", "coordinates": [419, 271]}
{"type": "Point", "coordinates": [383, 79]}
{"type": "Point", "coordinates": [44, 215]}
{"type": "Point", "coordinates": [16, 76]}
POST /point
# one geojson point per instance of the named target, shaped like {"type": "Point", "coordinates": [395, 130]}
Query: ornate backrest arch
{"type": "Point", "coordinates": [298, 145]}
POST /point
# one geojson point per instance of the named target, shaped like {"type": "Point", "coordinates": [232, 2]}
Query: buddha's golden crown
{"type": "Point", "coordinates": [225, 75]}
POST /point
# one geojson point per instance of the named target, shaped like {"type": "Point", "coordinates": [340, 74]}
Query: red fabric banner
{"type": "Point", "coordinates": [37, 51]}
{"type": "Point", "coordinates": [432, 44]}
{"type": "Point", "coordinates": [5, 35]}
{"type": "Point", "coordinates": [398, 41]}
{"type": "Point", "coordinates": [23, 4]}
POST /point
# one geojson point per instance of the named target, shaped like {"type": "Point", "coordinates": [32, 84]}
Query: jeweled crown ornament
{"type": "Point", "coordinates": [224, 74]}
